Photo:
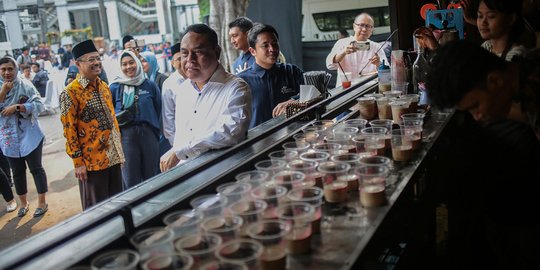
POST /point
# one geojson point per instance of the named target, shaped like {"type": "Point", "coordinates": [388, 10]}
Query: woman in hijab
{"type": "Point", "coordinates": [140, 139]}
{"type": "Point", "coordinates": [21, 137]}
{"type": "Point", "coordinates": [151, 68]}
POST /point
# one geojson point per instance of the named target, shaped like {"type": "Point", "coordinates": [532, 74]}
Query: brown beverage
{"type": "Point", "coordinates": [335, 192]}
{"type": "Point", "coordinates": [372, 196]}
{"type": "Point", "coordinates": [402, 152]}
{"type": "Point", "coordinates": [273, 258]}
{"type": "Point", "coordinates": [299, 244]}
{"type": "Point", "coordinates": [351, 180]}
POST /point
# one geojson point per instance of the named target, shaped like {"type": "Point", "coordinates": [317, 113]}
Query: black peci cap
{"type": "Point", "coordinates": [83, 48]}
{"type": "Point", "coordinates": [175, 48]}
{"type": "Point", "coordinates": [125, 39]}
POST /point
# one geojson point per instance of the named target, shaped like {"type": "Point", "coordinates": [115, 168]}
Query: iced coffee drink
{"type": "Point", "coordinates": [367, 108]}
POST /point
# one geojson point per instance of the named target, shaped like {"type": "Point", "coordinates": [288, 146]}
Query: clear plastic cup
{"type": "Point", "coordinates": [361, 149]}
{"type": "Point", "coordinates": [372, 182]}
{"type": "Point", "coordinates": [116, 259]}
{"type": "Point", "coordinates": [299, 216]}
{"type": "Point", "coordinates": [153, 242]}
{"type": "Point", "coordinates": [210, 204]}
{"type": "Point", "coordinates": [376, 161]}
{"type": "Point", "coordinates": [375, 139]}
{"type": "Point", "coordinates": [335, 191]}
{"type": "Point", "coordinates": [183, 222]}
{"type": "Point", "coordinates": [385, 123]}
{"type": "Point", "coordinates": [350, 177]}
{"type": "Point", "coordinates": [244, 251]}
{"type": "Point", "coordinates": [299, 147]}
{"type": "Point", "coordinates": [273, 195]}
{"type": "Point", "coordinates": [234, 191]}
{"type": "Point", "coordinates": [402, 149]}
{"type": "Point", "coordinates": [367, 108]}
{"type": "Point", "coordinates": [399, 107]}
{"type": "Point", "coordinates": [271, 234]}
{"type": "Point", "coordinates": [201, 247]}
{"type": "Point", "coordinates": [400, 86]}
{"type": "Point", "coordinates": [309, 168]}
{"type": "Point", "coordinates": [313, 196]}
{"type": "Point", "coordinates": [392, 94]}
{"type": "Point", "coordinates": [166, 262]}
{"type": "Point", "coordinates": [330, 148]}
{"type": "Point", "coordinates": [250, 211]}
{"type": "Point", "coordinates": [342, 129]}
{"type": "Point", "coordinates": [254, 178]}
{"type": "Point", "coordinates": [342, 139]}
{"type": "Point", "coordinates": [413, 101]}
{"type": "Point", "coordinates": [286, 155]}
{"type": "Point", "coordinates": [383, 108]}
{"type": "Point", "coordinates": [289, 179]}
{"type": "Point", "coordinates": [271, 166]}
{"type": "Point", "coordinates": [357, 123]}
{"type": "Point", "coordinates": [228, 227]}
{"type": "Point", "coordinates": [413, 129]}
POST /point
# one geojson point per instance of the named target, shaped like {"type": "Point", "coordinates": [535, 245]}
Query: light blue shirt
{"type": "Point", "coordinates": [20, 133]}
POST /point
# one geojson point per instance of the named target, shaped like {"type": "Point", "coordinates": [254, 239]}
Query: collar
{"type": "Point", "coordinates": [260, 71]}
{"type": "Point", "coordinates": [219, 76]}
{"type": "Point", "coordinates": [83, 81]}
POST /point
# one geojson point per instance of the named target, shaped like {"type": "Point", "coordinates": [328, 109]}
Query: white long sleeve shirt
{"type": "Point", "coordinates": [354, 62]}
{"type": "Point", "coordinates": [214, 117]}
{"type": "Point", "coordinates": [170, 88]}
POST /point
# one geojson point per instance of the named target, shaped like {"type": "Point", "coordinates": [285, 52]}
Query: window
{"type": "Point", "coordinates": [3, 35]}
{"type": "Point", "coordinates": [333, 21]}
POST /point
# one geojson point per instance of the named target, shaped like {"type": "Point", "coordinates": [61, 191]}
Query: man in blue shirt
{"type": "Point", "coordinates": [273, 85]}
{"type": "Point", "coordinates": [238, 30]}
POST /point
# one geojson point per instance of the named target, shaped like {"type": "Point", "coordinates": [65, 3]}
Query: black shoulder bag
{"type": "Point", "coordinates": [127, 116]}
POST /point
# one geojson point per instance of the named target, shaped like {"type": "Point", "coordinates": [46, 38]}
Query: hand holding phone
{"type": "Point", "coordinates": [361, 45]}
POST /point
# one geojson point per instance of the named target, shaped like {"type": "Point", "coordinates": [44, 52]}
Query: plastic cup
{"type": "Point", "coordinates": [167, 262]}
{"type": "Point", "coordinates": [271, 166]}
{"type": "Point", "coordinates": [324, 126]}
{"type": "Point", "coordinates": [153, 242]}
{"type": "Point", "coordinates": [273, 195]}
{"type": "Point", "coordinates": [413, 99]}
{"type": "Point", "coordinates": [367, 108]}
{"type": "Point", "coordinates": [400, 86]}
{"type": "Point", "coordinates": [299, 147]}
{"type": "Point", "coordinates": [250, 211]}
{"type": "Point", "coordinates": [201, 247]}
{"type": "Point", "coordinates": [376, 161]}
{"type": "Point", "coordinates": [413, 130]}
{"type": "Point", "coordinates": [254, 178]}
{"type": "Point", "coordinates": [289, 179]}
{"type": "Point", "coordinates": [330, 148]}
{"type": "Point", "coordinates": [343, 139]}
{"type": "Point", "coordinates": [116, 259]}
{"type": "Point", "coordinates": [384, 123]}
{"type": "Point", "coordinates": [234, 191]}
{"type": "Point", "coordinates": [210, 205]}
{"type": "Point", "coordinates": [309, 168]}
{"type": "Point", "coordinates": [342, 129]}
{"type": "Point", "coordinates": [286, 155]}
{"type": "Point", "coordinates": [357, 123]}
{"type": "Point", "coordinates": [335, 191]}
{"type": "Point", "coordinates": [383, 108]}
{"type": "Point", "coordinates": [271, 235]}
{"type": "Point", "coordinates": [360, 144]}
{"type": "Point", "coordinates": [401, 146]}
{"type": "Point", "coordinates": [313, 196]}
{"type": "Point", "coordinates": [372, 182]}
{"type": "Point", "coordinates": [228, 227]}
{"type": "Point", "coordinates": [345, 79]}
{"type": "Point", "coordinates": [350, 178]}
{"type": "Point", "coordinates": [299, 216]}
{"type": "Point", "coordinates": [183, 222]}
{"type": "Point", "coordinates": [244, 251]}
{"type": "Point", "coordinates": [375, 139]}
{"type": "Point", "coordinates": [399, 107]}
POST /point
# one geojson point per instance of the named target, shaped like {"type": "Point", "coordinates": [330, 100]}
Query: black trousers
{"type": "Point", "coordinates": [5, 189]}
{"type": "Point", "coordinates": [100, 186]}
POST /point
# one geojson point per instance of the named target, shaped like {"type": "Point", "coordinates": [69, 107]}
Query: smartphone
{"type": "Point", "coordinates": [361, 45]}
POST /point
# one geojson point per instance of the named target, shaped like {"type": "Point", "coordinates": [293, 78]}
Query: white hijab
{"type": "Point", "coordinates": [130, 83]}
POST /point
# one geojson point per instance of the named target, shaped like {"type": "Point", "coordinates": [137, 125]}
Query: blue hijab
{"type": "Point", "coordinates": [152, 61]}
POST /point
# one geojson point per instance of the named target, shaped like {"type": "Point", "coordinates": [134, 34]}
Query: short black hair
{"type": "Point", "coordinates": [204, 30]}
{"type": "Point", "coordinates": [35, 64]}
{"type": "Point", "coordinates": [456, 69]}
{"type": "Point", "coordinates": [6, 59]}
{"type": "Point", "coordinates": [257, 29]}
{"type": "Point", "coordinates": [244, 23]}
{"type": "Point", "coordinates": [25, 49]}
{"type": "Point", "coordinates": [24, 66]}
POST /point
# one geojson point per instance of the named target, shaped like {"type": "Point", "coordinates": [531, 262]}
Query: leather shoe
{"type": "Point", "coordinates": [40, 211]}
{"type": "Point", "coordinates": [23, 210]}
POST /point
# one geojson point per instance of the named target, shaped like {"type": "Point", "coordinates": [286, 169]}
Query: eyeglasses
{"type": "Point", "coordinates": [366, 26]}
{"type": "Point", "coordinates": [93, 59]}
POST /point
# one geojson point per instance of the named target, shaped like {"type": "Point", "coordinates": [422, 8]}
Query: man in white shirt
{"type": "Point", "coordinates": [352, 53]}
{"type": "Point", "coordinates": [170, 89]}
{"type": "Point", "coordinates": [215, 107]}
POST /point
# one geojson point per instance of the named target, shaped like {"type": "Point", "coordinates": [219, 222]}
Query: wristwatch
{"type": "Point", "coordinates": [17, 108]}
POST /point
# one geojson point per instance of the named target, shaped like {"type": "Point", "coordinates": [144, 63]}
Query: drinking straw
{"type": "Point", "coordinates": [343, 71]}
